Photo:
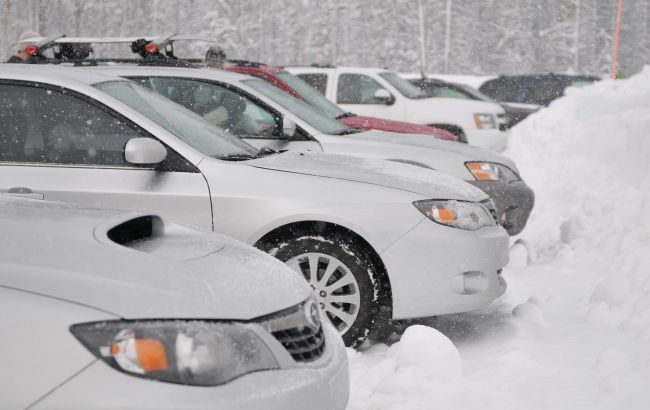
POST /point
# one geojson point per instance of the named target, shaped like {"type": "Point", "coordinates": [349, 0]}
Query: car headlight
{"type": "Point", "coordinates": [488, 171]}
{"type": "Point", "coordinates": [485, 121]}
{"type": "Point", "coordinates": [192, 352]}
{"type": "Point", "coordinates": [458, 214]}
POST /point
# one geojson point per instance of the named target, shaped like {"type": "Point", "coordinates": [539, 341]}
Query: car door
{"type": "Point", "coordinates": [232, 110]}
{"type": "Point", "coordinates": [59, 145]}
{"type": "Point", "coordinates": [357, 93]}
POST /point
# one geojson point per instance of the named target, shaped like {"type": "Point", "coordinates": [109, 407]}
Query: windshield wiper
{"type": "Point", "coordinates": [238, 156]}
{"type": "Point", "coordinates": [242, 156]}
{"type": "Point", "coordinates": [349, 131]}
{"type": "Point", "coordinates": [345, 115]}
{"type": "Point", "coordinates": [264, 151]}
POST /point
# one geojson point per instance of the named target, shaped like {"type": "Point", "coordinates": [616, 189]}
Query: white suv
{"type": "Point", "coordinates": [380, 93]}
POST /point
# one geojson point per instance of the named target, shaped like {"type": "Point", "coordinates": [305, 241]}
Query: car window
{"type": "Point", "coordinates": [188, 127]}
{"type": "Point", "coordinates": [544, 90]}
{"type": "Point", "coordinates": [442, 91]}
{"type": "Point", "coordinates": [298, 107]}
{"type": "Point", "coordinates": [581, 83]}
{"type": "Point", "coordinates": [357, 89]}
{"type": "Point", "coordinates": [502, 89]}
{"type": "Point", "coordinates": [407, 89]}
{"type": "Point", "coordinates": [39, 125]}
{"type": "Point", "coordinates": [217, 104]}
{"type": "Point", "coordinates": [317, 81]}
{"type": "Point", "coordinates": [311, 96]}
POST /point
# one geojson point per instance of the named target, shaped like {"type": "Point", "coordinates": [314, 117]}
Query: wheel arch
{"type": "Point", "coordinates": [457, 130]}
{"type": "Point", "coordinates": [266, 242]}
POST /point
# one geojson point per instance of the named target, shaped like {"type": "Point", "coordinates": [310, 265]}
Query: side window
{"type": "Point", "coordinates": [357, 89]}
{"type": "Point", "coordinates": [446, 92]}
{"type": "Point", "coordinates": [502, 89]}
{"type": "Point", "coordinates": [219, 105]}
{"type": "Point", "coordinates": [317, 81]}
{"type": "Point", "coordinates": [39, 125]}
{"type": "Point", "coordinates": [544, 90]}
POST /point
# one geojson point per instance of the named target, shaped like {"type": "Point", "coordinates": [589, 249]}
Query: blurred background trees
{"type": "Point", "coordinates": [462, 36]}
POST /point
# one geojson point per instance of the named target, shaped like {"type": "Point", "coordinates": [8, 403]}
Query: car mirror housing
{"type": "Point", "coordinates": [288, 127]}
{"type": "Point", "coordinates": [144, 151]}
{"type": "Point", "coordinates": [384, 96]}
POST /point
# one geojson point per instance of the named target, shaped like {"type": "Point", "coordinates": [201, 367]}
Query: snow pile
{"type": "Point", "coordinates": [573, 330]}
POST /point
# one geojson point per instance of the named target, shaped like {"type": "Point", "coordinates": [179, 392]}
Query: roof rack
{"type": "Point", "coordinates": [77, 50]}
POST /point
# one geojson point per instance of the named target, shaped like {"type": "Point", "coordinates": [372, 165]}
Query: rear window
{"type": "Point", "coordinates": [503, 89]}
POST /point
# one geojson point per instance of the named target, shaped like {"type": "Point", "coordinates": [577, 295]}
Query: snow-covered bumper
{"type": "Point", "coordinates": [323, 384]}
{"type": "Point", "coordinates": [514, 201]}
{"type": "Point", "coordinates": [493, 139]}
{"type": "Point", "coordinates": [437, 270]}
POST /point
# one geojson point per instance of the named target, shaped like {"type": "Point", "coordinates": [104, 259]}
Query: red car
{"type": "Point", "coordinates": [300, 89]}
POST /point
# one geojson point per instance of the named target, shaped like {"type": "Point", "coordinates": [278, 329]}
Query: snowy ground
{"type": "Point", "coordinates": [573, 330]}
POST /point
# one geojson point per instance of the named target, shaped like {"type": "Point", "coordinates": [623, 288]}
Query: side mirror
{"type": "Point", "coordinates": [383, 96]}
{"type": "Point", "coordinates": [288, 127]}
{"type": "Point", "coordinates": [144, 151]}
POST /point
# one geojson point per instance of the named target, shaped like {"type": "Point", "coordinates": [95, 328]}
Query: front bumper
{"type": "Point", "coordinates": [493, 139]}
{"type": "Point", "coordinates": [323, 384]}
{"type": "Point", "coordinates": [514, 202]}
{"type": "Point", "coordinates": [435, 269]}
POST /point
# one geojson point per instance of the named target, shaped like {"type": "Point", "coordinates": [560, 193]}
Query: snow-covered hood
{"type": "Point", "coordinates": [467, 152]}
{"type": "Point", "coordinates": [421, 181]}
{"type": "Point", "coordinates": [64, 251]}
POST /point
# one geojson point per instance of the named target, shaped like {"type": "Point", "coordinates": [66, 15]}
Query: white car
{"type": "Point", "coordinates": [109, 309]}
{"type": "Point", "coordinates": [384, 94]}
{"type": "Point", "coordinates": [265, 110]}
{"type": "Point", "coordinates": [366, 234]}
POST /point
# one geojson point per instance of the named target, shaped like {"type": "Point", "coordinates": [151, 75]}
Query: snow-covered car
{"type": "Point", "coordinates": [366, 234]}
{"type": "Point", "coordinates": [384, 94]}
{"type": "Point", "coordinates": [115, 309]}
{"type": "Point", "coordinates": [267, 110]}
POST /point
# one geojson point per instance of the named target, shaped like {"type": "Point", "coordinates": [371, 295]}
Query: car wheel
{"type": "Point", "coordinates": [343, 277]}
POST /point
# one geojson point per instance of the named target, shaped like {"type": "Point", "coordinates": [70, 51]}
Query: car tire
{"type": "Point", "coordinates": [343, 277]}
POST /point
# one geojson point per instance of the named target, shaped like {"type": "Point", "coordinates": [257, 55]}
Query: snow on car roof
{"type": "Point", "coordinates": [52, 74]}
{"type": "Point", "coordinates": [67, 40]}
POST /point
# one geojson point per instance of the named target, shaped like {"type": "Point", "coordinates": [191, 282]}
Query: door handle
{"type": "Point", "coordinates": [22, 192]}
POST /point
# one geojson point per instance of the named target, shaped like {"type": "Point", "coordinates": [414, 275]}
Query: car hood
{"type": "Point", "coordinates": [470, 152]}
{"type": "Point", "coordinates": [66, 252]}
{"type": "Point", "coordinates": [371, 123]}
{"type": "Point", "coordinates": [425, 182]}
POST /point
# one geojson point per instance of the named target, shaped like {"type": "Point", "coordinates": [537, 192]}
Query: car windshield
{"type": "Point", "coordinates": [184, 124]}
{"type": "Point", "coordinates": [310, 95]}
{"type": "Point", "coordinates": [476, 94]}
{"type": "Point", "coordinates": [407, 89]}
{"type": "Point", "coordinates": [304, 111]}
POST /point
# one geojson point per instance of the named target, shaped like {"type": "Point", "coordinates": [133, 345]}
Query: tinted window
{"type": "Point", "coordinates": [357, 89]}
{"type": "Point", "coordinates": [544, 90]}
{"type": "Point", "coordinates": [218, 105]}
{"type": "Point", "coordinates": [39, 125]}
{"type": "Point", "coordinates": [503, 89]}
{"type": "Point", "coordinates": [317, 81]}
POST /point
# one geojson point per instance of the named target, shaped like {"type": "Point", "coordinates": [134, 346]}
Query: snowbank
{"type": "Point", "coordinates": [573, 330]}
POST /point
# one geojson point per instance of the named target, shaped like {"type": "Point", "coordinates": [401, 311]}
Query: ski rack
{"type": "Point", "coordinates": [77, 50]}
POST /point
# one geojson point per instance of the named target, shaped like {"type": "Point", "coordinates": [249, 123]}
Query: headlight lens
{"type": "Point", "coordinates": [469, 216]}
{"type": "Point", "coordinates": [485, 121]}
{"type": "Point", "coordinates": [198, 353]}
{"type": "Point", "coordinates": [488, 171]}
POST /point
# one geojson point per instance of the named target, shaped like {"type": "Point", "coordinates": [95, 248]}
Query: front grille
{"type": "Point", "coordinates": [489, 205]}
{"type": "Point", "coordinates": [304, 344]}
{"type": "Point", "coordinates": [299, 330]}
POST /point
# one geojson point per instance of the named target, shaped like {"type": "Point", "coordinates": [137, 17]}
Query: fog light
{"type": "Point", "coordinates": [469, 283]}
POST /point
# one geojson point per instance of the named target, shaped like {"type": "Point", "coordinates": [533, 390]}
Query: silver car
{"type": "Point", "coordinates": [108, 309]}
{"type": "Point", "coordinates": [366, 234]}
